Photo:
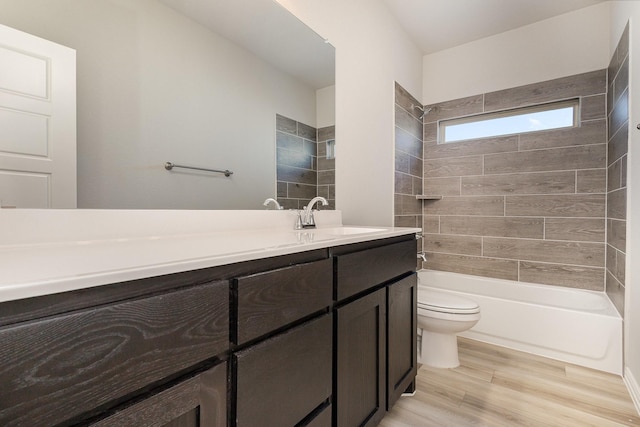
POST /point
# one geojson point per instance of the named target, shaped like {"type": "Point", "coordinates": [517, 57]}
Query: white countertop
{"type": "Point", "coordinates": [45, 252]}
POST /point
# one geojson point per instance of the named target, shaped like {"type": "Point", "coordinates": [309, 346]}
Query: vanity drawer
{"type": "Point", "coordinates": [282, 380]}
{"type": "Point", "coordinates": [362, 270]}
{"type": "Point", "coordinates": [61, 368]}
{"type": "Point", "coordinates": [267, 301]}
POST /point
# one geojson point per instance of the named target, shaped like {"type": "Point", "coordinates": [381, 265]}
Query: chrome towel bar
{"type": "Point", "coordinates": [168, 166]}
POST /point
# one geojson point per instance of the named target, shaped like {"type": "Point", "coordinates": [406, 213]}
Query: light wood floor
{"type": "Point", "coordinates": [495, 386]}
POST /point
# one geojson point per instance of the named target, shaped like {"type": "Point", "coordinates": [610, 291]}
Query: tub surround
{"type": "Point", "coordinates": [528, 207]}
{"type": "Point", "coordinates": [75, 249]}
{"type": "Point", "coordinates": [617, 148]}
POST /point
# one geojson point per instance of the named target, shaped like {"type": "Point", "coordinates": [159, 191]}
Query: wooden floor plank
{"type": "Point", "coordinates": [495, 386]}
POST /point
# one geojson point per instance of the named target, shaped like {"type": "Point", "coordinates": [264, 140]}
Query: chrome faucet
{"type": "Point", "coordinates": [275, 203]}
{"type": "Point", "coordinates": [305, 219]}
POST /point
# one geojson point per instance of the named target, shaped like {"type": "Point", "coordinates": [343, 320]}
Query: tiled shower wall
{"type": "Point", "coordinates": [408, 160]}
{"type": "Point", "coordinates": [302, 169]}
{"type": "Point", "coordinates": [618, 115]}
{"type": "Point", "coordinates": [528, 207]}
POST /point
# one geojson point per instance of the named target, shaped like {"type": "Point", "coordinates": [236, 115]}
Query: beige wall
{"type": "Point", "coordinates": [565, 45]}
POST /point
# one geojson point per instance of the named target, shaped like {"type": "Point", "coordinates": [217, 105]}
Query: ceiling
{"type": "Point", "coordinates": [435, 25]}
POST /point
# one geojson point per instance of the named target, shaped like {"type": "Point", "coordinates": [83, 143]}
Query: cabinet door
{"type": "Point", "coordinates": [198, 401]}
{"type": "Point", "coordinates": [284, 380]}
{"type": "Point", "coordinates": [360, 371]}
{"type": "Point", "coordinates": [402, 364]}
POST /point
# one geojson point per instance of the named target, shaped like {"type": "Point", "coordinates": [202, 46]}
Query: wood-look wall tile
{"type": "Point", "coordinates": [477, 266]}
{"type": "Point", "coordinates": [326, 133]}
{"type": "Point", "coordinates": [449, 244]}
{"type": "Point", "coordinates": [621, 262]}
{"type": "Point", "coordinates": [289, 142]}
{"type": "Point", "coordinates": [405, 100]}
{"type": "Point", "coordinates": [617, 234]}
{"type": "Point", "coordinates": [588, 133]}
{"type": "Point", "coordinates": [520, 183]}
{"type": "Point", "coordinates": [417, 186]}
{"type": "Point", "coordinates": [593, 107]}
{"type": "Point", "coordinates": [403, 183]}
{"type": "Point", "coordinates": [287, 203]}
{"type": "Point", "coordinates": [430, 132]}
{"type": "Point", "coordinates": [455, 108]}
{"type": "Point", "coordinates": [590, 83]}
{"type": "Point", "coordinates": [493, 226]}
{"type": "Point", "coordinates": [611, 258]}
{"type": "Point", "coordinates": [567, 205]}
{"type": "Point", "coordinates": [621, 81]}
{"type": "Point", "coordinates": [402, 162]}
{"type": "Point", "coordinates": [591, 181]}
{"type": "Point", "coordinates": [620, 53]}
{"type": "Point", "coordinates": [454, 166]}
{"type": "Point", "coordinates": [468, 205]}
{"type": "Point", "coordinates": [617, 204]}
{"type": "Point", "coordinates": [620, 114]}
{"type": "Point", "coordinates": [323, 191]}
{"type": "Point", "coordinates": [406, 221]}
{"type": "Point", "coordinates": [503, 144]}
{"type": "Point", "coordinates": [580, 157]}
{"type": "Point", "coordinates": [585, 254]}
{"type": "Point", "coordinates": [571, 276]}
{"type": "Point", "coordinates": [623, 171]}
{"type": "Point", "coordinates": [325, 164]}
{"type": "Point", "coordinates": [327, 177]}
{"type": "Point", "coordinates": [297, 159]}
{"type": "Point", "coordinates": [408, 143]}
{"type": "Point", "coordinates": [409, 123]}
{"type": "Point", "coordinates": [406, 205]}
{"type": "Point", "coordinates": [281, 189]}
{"type": "Point", "coordinates": [575, 229]}
{"type": "Point", "coordinates": [430, 224]}
{"type": "Point", "coordinates": [307, 132]}
{"type": "Point", "coordinates": [618, 145]}
{"type": "Point", "coordinates": [287, 125]}
{"type": "Point", "coordinates": [614, 175]}
{"type": "Point", "coordinates": [302, 176]}
{"type": "Point", "coordinates": [449, 186]}
{"type": "Point", "coordinates": [415, 166]}
{"type": "Point", "coordinates": [615, 291]}
{"type": "Point", "coordinates": [301, 191]}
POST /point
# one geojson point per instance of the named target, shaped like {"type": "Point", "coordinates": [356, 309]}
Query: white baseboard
{"type": "Point", "coordinates": [633, 387]}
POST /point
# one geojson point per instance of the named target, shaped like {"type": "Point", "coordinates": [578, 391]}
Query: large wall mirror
{"type": "Point", "coordinates": [193, 82]}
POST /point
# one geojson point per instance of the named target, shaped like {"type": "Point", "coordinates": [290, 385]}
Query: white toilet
{"type": "Point", "coordinates": [441, 316]}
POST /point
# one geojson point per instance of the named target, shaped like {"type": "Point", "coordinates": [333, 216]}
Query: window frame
{"type": "Point", "coordinates": [556, 105]}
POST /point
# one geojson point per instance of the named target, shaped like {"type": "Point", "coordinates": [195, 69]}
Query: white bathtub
{"type": "Point", "coordinates": [575, 326]}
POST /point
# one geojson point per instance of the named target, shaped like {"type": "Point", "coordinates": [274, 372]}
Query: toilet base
{"type": "Point", "coordinates": [439, 350]}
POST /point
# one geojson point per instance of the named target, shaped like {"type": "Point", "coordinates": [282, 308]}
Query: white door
{"type": "Point", "coordinates": [37, 122]}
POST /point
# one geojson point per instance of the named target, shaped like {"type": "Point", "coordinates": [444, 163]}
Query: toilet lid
{"type": "Point", "coordinates": [448, 303]}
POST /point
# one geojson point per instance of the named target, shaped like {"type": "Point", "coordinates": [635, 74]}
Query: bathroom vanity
{"type": "Point", "coordinates": [319, 331]}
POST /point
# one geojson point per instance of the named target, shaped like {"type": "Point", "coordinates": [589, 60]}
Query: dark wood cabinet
{"type": "Point", "coordinates": [402, 364]}
{"type": "Point", "coordinates": [197, 401]}
{"type": "Point", "coordinates": [318, 338]}
{"type": "Point", "coordinates": [63, 368]}
{"type": "Point", "coordinates": [360, 361]}
{"type": "Point", "coordinates": [280, 382]}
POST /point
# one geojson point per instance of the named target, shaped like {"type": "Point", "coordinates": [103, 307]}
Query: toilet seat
{"type": "Point", "coordinates": [432, 300]}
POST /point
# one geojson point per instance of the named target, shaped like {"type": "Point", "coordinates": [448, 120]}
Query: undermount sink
{"type": "Point", "coordinates": [344, 231]}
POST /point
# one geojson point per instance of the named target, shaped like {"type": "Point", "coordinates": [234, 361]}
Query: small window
{"type": "Point", "coordinates": [529, 119]}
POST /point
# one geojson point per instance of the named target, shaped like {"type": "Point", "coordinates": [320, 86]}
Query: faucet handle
{"type": "Point", "coordinates": [298, 224]}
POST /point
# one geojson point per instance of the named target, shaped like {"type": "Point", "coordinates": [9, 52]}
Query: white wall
{"type": "Point", "coordinates": [372, 52]}
{"type": "Point", "coordinates": [568, 44]}
{"type": "Point", "coordinates": [149, 92]}
{"type": "Point", "coordinates": [326, 107]}
{"type": "Point", "coordinates": [621, 12]}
